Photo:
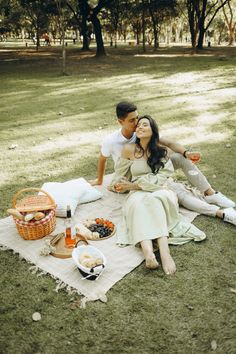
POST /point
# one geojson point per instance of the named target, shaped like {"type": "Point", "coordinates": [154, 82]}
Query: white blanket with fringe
{"type": "Point", "coordinates": [120, 260]}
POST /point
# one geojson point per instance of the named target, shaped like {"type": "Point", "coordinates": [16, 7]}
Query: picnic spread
{"type": "Point", "coordinates": [95, 220]}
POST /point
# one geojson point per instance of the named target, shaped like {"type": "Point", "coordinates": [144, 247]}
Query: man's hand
{"type": "Point", "coordinates": [194, 156]}
{"type": "Point", "coordinates": [95, 182]}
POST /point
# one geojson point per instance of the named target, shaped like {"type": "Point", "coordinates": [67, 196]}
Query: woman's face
{"type": "Point", "coordinates": [143, 129]}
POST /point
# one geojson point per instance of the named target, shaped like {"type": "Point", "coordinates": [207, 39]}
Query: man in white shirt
{"type": "Point", "coordinates": [113, 144]}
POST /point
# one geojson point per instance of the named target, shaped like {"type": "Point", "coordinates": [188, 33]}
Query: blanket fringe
{"type": "Point", "coordinates": [34, 269]}
{"type": "Point", "coordinates": [60, 284]}
{"type": "Point", "coordinates": [4, 248]}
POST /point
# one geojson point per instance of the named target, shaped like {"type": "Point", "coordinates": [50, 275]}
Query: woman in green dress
{"type": "Point", "coordinates": [150, 211]}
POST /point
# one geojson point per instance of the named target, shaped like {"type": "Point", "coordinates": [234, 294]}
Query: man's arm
{"type": "Point", "coordinates": [176, 147]}
{"type": "Point", "coordinates": [100, 171]}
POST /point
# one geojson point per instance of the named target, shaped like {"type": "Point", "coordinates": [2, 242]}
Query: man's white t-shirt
{"type": "Point", "coordinates": [113, 144]}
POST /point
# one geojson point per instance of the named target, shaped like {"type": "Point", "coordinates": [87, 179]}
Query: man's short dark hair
{"type": "Point", "coordinates": [124, 108]}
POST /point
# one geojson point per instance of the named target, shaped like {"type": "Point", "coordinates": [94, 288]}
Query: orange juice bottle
{"type": "Point", "coordinates": [69, 241]}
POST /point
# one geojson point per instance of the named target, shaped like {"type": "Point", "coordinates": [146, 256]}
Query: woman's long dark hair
{"type": "Point", "coordinates": [156, 153]}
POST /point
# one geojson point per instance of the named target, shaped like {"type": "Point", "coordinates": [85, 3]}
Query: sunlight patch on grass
{"type": "Point", "coordinates": [196, 132]}
{"type": "Point", "coordinates": [108, 83]}
{"type": "Point", "coordinates": [183, 78]}
{"type": "Point", "coordinates": [72, 140]}
{"type": "Point", "coordinates": [208, 119]}
{"type": "Point", "coordinates": [15, 93]}
{"type": "Point", "coordinates": [26, 165]}
{"type": "Point", "coordinates": [210, 101]}
{"type": "Point", "coordinates": [172, 55]}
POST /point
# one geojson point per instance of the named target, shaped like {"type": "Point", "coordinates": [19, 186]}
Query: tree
{"type": "Point", "coordinates": [228, 15]}
{"type": "Point", "coordinates": [11, 16]}
{"type": "Point", "coordinates": [80, 10]}
{"type": "Point", "coordinates": [113, 18]}
{"type": "Point", "coordinates": [60, 8]}
{"type": "Point", "coordinates": [36, 13]}
{"type": "Point", "coordinates": [159, 12]}
{"type": "Point", "coordinates": [200, 11]}
{"type": "Point", "coordinates": [89, 11]}
{"type": "Point", "coordinates": [94, 12]}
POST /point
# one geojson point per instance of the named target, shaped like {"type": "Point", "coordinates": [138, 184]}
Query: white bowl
{"type": "Point", "coordinates": [89, 273]}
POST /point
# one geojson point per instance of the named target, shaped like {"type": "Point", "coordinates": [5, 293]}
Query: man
{"type": "Point", "coordinates": [113, 144]}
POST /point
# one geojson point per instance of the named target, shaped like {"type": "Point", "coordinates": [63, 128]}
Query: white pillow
{"type": "Point", "coordinates": [74, 192]}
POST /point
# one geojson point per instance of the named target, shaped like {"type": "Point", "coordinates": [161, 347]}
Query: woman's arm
{"type": "Point", "coordinates": [121, 181]}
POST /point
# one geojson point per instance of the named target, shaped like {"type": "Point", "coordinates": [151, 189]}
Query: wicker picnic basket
{"type": "Point", "coordinates": [34, 230]}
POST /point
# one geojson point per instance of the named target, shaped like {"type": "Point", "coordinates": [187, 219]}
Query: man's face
{"type": "Point", "coordinates": [130, 122]}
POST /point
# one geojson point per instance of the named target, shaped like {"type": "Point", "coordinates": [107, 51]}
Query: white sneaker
{"type": "Point", "coordinates": [219, 199]}
{"type": "Point", "coordinates": [230, 215]}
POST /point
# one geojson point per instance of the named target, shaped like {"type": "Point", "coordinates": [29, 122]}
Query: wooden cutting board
{"type": "Point", "coordinates": [61, 251]}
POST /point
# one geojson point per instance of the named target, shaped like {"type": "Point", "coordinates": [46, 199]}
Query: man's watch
{"type": "Point", "coordinates": [185, 152]}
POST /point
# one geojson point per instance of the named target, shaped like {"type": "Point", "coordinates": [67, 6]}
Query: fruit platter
{"type": "Point", "coordinates": [99, 229]}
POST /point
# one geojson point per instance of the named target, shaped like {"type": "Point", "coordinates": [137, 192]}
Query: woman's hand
{"type": "Point", "coordinates": [125, 186]}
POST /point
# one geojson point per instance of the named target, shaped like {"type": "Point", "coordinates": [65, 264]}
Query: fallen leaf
{"type": "Point", "coordinates": [13, 146]}
{"type": "Point", "coordinates": [190, 307]}
{"type": "Point", "coordinates": [194, 335]}
{"type": "Point", "coordinates": [83, 303]}
{"type": "Point", "coordinates": [228, 145]}
{"type": "Point", "coordinates": [233, 290]}
{"type": "Point", "coordinates": [75, 304]}
{"type": "Point", "coordinates": [213, 345]}
{"type": "Point", "coordinates": [36, 316]}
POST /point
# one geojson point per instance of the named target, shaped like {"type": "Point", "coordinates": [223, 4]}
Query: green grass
{"type": "Point", "coordinates": [192, 97]}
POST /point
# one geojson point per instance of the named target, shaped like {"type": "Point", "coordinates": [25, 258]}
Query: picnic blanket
{"type": "Point", "coordinates": [120, 260]}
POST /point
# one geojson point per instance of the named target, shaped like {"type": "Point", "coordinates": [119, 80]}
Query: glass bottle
{"type": "Point", "coordinates": [69, 241]}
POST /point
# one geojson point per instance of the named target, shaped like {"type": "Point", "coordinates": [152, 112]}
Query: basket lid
{"type": "Point", "coordinates": [32, 203]}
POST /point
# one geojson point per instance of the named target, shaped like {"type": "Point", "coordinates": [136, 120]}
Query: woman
{"type": "Point", "coordinates": [150, 211]}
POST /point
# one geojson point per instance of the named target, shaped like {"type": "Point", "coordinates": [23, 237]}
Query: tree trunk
{"type": "Point", "coordinates": [230, 36]}
{"type": "Point", "coordinates": [201, 36]}
{"type": "Point", "coordinates": [192, 21]}
{"type": "Point", "coordinates": [84, 32]}
{"type": "Point", "coordinates": [37, 39]}
{"type": "Point", "coordinates": [229, 22]}
{"type": "Point", "coordinates": [143, 27]}
{"type": "Point", "coordinates": [155, 30]}
{"type": "Point", "coordinates": [98, 35]}
{"type": "Point", "coordinates": [201, 26]}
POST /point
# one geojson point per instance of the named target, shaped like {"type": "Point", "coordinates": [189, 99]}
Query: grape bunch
{"type": "Point", "coordinates": [103, 227]}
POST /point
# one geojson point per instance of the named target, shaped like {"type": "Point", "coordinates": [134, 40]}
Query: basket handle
{"type": "Point", "coordinates": [14, 199]}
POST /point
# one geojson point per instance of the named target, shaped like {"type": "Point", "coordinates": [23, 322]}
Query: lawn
{"type": "Point", "coordinates": [57, 123]}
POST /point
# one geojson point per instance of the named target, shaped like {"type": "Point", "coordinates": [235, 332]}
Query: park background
{"type": "Point", "coordinates": [58, 101]}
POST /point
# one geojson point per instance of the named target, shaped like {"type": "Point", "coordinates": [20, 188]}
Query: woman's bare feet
{"type": "Point", "coordinates": [168, 263]}
{"type": "Point", "coordinates": [151, 262]}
